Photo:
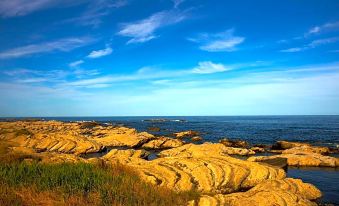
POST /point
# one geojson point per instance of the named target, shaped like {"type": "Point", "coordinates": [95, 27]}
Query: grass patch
{"type": "Point", "coordinates": [112, 185]}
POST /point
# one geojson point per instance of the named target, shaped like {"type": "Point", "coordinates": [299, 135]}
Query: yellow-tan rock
{"type": "Point", "coordinates": [281, 145]}
{"type": "Point", "coordinates": [72, 137]}
{"type": "Point", "coordinates": [163, 143]}
{"type": "Point", "coordinates": [121, 136]}
{"type": "Point", "coordinates": [205, 173]}
{"type": "Point", "coordinates": [189, 133]}
{"type": "Point", "coordinates": [305, 159]}
{"type": "Point", "coordinates": [309, 149]}
{"type": "Point", "coordinates": [205, 149]}
{"type": "Point", "coordinates": [233, 143]}
{"type": "Point", "coordinates": [286, 192]}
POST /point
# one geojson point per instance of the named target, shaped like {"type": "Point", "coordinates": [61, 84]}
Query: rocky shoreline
{"type": "Point", "coordinates": [209, 168]}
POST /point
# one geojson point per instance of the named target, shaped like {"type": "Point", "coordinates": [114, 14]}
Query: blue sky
{"type": "Point", "coordinates": [168, 57]}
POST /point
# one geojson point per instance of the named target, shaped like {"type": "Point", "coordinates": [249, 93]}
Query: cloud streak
{"type": "Point", "coordinates": [14, 8]}
{"type": "Point", "coordinates": [218, 42]}
{"type": "Point", "coordinates": [61, 45]}
{"type": "Point", "coordinates": [323, 28]}
{"type": "Point", "coordinates": [144, 30]}
{"type": "Point", "coordinates": [100, 53]}
{"type": "Point", "coordinates": [313, 44]}
{"type": "Point", "coordinates": [209, 68]}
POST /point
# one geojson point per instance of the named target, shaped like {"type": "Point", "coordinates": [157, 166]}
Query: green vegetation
{"type": "Point", "coordinates": [26, 183]}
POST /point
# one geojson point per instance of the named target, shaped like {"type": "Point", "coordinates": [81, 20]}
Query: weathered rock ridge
{"type": "Point", "coordinates": [286, 192]}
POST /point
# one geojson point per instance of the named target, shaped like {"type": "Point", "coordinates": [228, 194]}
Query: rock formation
{"type": "Point", "coordinates": [184, 134]}
{"type": "Point", "coordinates": [234, 143]}
{"type": "Point", "coordinates": [162, 143]}
{"type": "Point", "coordinates": [281, 145]}
{"type": "Point", "coordinates": [301, 158]}
{"type": "Point", "coordinates": [286, 192]}
{"type": "Point", "coordinates": [222, 174]}
{"type": "Point", "coordinates": [205, 149]}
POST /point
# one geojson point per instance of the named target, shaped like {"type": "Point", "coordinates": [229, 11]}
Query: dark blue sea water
{"type": "Point", "coordinates": [322, 130]}
{"type": "Point", "coordinates": [318, 130]}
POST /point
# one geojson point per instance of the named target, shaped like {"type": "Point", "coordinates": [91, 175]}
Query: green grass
{"type": "Point", "coordinates": [116, 185]}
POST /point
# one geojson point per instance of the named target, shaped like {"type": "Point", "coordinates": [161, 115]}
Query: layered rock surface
{"type": "Point", "coordinates": [162, 143]}
{"type": "Point", "coordinates": [206, 149]}
{"type": "Point", "coordinates": [286, 192]}
{"type": "Point", "coordinates": [301, 158]}
{"type": "Point", "coordinates": [51, 136]}
{"type": "Point", "coordinates": [205, 174]}
{"type": "Point", "coordinates": [73, 137]}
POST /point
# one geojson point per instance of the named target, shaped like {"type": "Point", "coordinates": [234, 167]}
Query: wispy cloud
{"type": "Point", "coordinates": [177, 3]}
{"type": "Point", "coordinates": [323, 28]}
{"type": "Point", "coordinates": [219, 42]}
{"type": "Point", "coordinates": [76, 63]}
{"type": "Point", "coordinates": [313, 44]}
{"type": "Point", "coordinates": [96, 11]}
{"type": "Point", "coordinates": [320, 42]}
{"type": "Point", "coordinates": [13, 8]}
{"type": "Point", "coordinates": [64, 45]}
{"type": "Point", "coordinates": [48, 76]}
{"type": "Point", "coordinates": [100, 53]}
{"type": "Point", "coordinates": [144, 30]}
{"type": "Point", "coordinates": [209, 68]}
{"type": "Point", "coordinates": [294, 49]}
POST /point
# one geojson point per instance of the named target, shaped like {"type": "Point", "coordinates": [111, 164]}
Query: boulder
{"type": "Point", "coordinates": [163, 143]}
{"type": "Point", "coordinates": [309, 149]}
{"type": "Point", "coordinates": [281, 145]}
{"type": "Point", "coordinates": [196, 139]}
{"type": "Point", "coordinates": [189, 133]}
{"type": "Point", "coordinates": [153, 129]}
{"type": "Point", "coordinates": [286, 192]}
{"type": "Point", "coordinates": [258, 149]}
{"type": "Point", "coordinates": [234, 143]}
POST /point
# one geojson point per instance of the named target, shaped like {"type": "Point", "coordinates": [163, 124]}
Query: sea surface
{"type": "Point", "coordinates": [318, 130]}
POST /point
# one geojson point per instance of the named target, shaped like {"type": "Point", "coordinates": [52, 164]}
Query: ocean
{"type": "Point", "coordinates": [318, 130]}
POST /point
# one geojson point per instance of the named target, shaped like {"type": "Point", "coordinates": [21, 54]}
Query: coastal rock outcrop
{"type": "Point", "coordinates": [72, 137]}
{"type": "Point", "coordinates": [205, 149]}
{"type": "Point", "coordinates": [301, 158]}
{"type": "Point", "coordinates": [121, 136]}
{"type": "Point", "coordinates": [308, 149]}
{"type": "Point", "coordinates": [189, 133]}
{"type": "Point", "coordinates": [282, 145]}
{"type": "Point", "coordinates": [234, 143]}
{"type": "Point", "coordinates": [50, 136]}
{"type": "Point", "coordinates": [163, 143]}
{"type": "Point", "coordinates": [286, 192]}
{"type": "Point", "coordinates": [215, 173]}
{"type": "Point", "coordinates": [196, 139]}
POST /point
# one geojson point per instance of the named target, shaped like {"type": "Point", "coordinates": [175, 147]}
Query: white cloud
{"type": "Point", "coordinates": [143, 30]}
{"type": "Point", "coordinates": [294, 49]}
{"type": "Point", "coordinates": [76, 63]}
{"type": "Point", "coordinates": [209, 68]}
{"type": "Point", "coordinates": [95, 12]}
{"type": "Point", "coordinates": [177, 3]}
{"type": "Point", "coordinates": [64, 45]}
{"type": "Point", "coordinates": [313, 44]}
{"type": "Point", "coordinates": [323, 28]}
{"type": "Point", "coordinates": [320, 42]}
{"type": "Point", "coordinates": [100, 53]}
{"type": "Point", "coordinates": [219, 42]}
{"type": "Point", "coordinates": [12, 8]}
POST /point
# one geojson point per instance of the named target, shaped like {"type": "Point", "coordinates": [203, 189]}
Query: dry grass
{"type": "Point", "coordinates": [34, 183]}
